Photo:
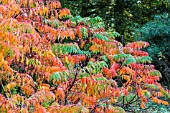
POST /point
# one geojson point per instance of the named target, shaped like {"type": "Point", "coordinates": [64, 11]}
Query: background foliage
{"type": "Point", "coordinates": [157, 33]}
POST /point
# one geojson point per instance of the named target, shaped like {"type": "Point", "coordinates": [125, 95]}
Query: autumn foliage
{"type": "Point", "coordinates": [53, 62]}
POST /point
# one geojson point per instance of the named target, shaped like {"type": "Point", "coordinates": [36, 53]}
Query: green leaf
{"type": "Point", "coordinates": [100, 36]}
{"type": "Point", "coordinates": [104, 57]}
{"type": "Point", "coordinates": [100, 78]}
{"type": "Point", "coordinates": [46, 104]}
{"type": "Point", "coordinates": [31, 61]}
{"type": "Point", "coordinates": [155, 73]}
{"type": "Point", "coordinates": [84, 32]}
{"type": "Point", "coordinates": [127, 58]}
{"type": "Point", "coordinates": [11, 53]}
{"type": "Point", "coordinates": [147, 94]}
{"type": "Point", "coordinates": [103, 104]}
{"type": "Point", "coordinates": [98, 19]}
{"type": "Point", "coordinates": [152, 86]}
{"type": "Point", "coordinates": [165, 93]}
{"type": "Point", "coordinates": [129, 97]}
{"type": "Point", "coordinates": [77, 19]}
{"type": "Point", "coordinates": [55, 76]}
{"type": "Point", "coordinates": [112, 34]}
{"type": "Point", "coordinates": [144, 59]}
{"type": "Point", "coordinates": [46, 21]}
{"type": "Point", "coordinates": [119, 109]}
{"type": "Point", "coordinates": [55, 23]}
{"type": "Point", "coordinates": [94, 68]}
{"type": "Point", "coordinates": [68, 49]}
{"type": "Point", "coordinates": [129, 61]}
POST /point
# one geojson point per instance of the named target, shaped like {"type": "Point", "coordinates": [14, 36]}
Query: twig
{"type": "Point", "coordinates": [4, 89]}
{"type": "Point", "coordinates": [105, 100]}
{"type": "Point", "coordinates": [69, 89]}
{"type": "Point", "coordinates": [131, 101]}
{"type": "Point", "coordinates": [123, 102]}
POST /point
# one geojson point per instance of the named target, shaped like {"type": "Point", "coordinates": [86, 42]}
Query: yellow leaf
{"type": "Point", "coordinates": [22, 58]}
{"type": "Point", "coordinates": [94, 48]}
{"type": "Point", "coordinates": [27, 61]}
{"type": "Point", "coordinates": [1, 59]}
{"type": "Point", "coordinates": [11, 85]}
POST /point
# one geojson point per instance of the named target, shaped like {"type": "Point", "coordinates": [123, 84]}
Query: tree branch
{"type": "Point", "coordinates": [69, 89]}
{"type": "Point", "coordinates": [93, 110]}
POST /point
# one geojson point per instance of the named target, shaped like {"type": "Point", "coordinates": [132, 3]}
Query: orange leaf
{"type": "Point", "coordinates": [83, 80]}
{"type": "Point", "coordinates": [142, 105]}
{"type": "Point", "coordinates": [165, 103]}
{"type": "Point", "coordinates": [113, 51]}
{"type": "Point", "coordinates": [125, 91]}
{"type": "Point", "coordinates": [94, 48]}
{"type": "Point", "coordinates": [105, 70]}
{"type": "Point", "coordinates": [71, 34]}
{"type": "Point", "coordinates": [60, 93]}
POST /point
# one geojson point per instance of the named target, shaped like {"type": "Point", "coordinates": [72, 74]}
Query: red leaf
{"type": "Point", "coordinates": [115, 66]}
{"type": "Point", "coordinates": [125, 91]}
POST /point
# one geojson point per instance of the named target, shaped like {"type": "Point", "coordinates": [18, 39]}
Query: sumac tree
{"type": "Point", "coordinates": [53, 62]}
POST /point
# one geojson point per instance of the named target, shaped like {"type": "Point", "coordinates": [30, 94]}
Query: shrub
{"type": "Point", "coordinates": [53, 62]}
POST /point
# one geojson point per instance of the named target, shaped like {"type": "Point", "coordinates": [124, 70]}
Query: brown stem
{"type": "Point", "coordinates": [4, 89]}
{"type": "Point", "coordinates": [123, 101]}
{"type": "Point", "coordinates": [93, 110]}
{"type": "Point", "coordinates": [69, 89]}
{"type": "Point", "coordinates": [131, 101]}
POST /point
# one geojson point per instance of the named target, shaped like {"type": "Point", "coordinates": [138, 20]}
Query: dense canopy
{"type": "Point", "coordinates": [54, 62]}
